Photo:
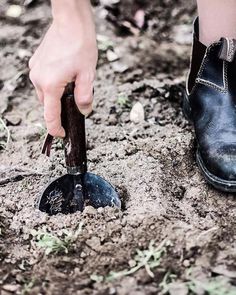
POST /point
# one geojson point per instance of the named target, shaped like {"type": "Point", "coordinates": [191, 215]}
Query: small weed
{"type": "Point", "coordinates": [53, 244]}
{"type": "Point", "coordinates": [167, 280]}
{"type": "Point", "coordinates": [28, 287]}
{"type": "Point", "coordinates": [123, 101]}
{"type": "Point", "coordinates": [4, 140]}
{"type": "Point", "coordinates": [212, 286]}
{"type": "Point", "coordinates": [148, 259]}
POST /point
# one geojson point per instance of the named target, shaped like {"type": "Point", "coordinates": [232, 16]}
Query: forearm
{"type": "Point", "coordinates": [66, 10]}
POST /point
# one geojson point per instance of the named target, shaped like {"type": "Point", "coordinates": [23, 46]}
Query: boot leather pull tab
{"type": "Point", "coordinates": [47, 145]}
{"type": "Point", "coordinates": [228, 49]}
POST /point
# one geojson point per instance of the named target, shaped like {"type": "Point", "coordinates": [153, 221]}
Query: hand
{"type": "Point", "coordinates": [67, 53]}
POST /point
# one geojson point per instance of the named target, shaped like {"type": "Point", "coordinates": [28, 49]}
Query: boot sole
{"type": "Point", "coordinates": [217, 182]}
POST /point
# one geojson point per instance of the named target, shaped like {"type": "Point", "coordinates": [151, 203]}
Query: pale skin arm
{"type": "Point", "coordinates": [217, 19]}
{"type": "Point", "coordinates": [67, 53]}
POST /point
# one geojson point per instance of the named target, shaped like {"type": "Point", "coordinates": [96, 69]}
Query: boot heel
{"type": "Point", "coordinates": [186, 107]}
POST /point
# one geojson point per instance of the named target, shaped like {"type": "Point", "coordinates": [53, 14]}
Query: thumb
{"type": "Point", "coordinates": [84, 95]}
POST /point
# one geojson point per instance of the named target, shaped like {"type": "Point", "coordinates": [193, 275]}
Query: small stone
{"type": "Point", "coordinates": [132, 263]}
{"type": "Point", "coordinates": [112, 56]}
{"type": "Point", "coordinates": [178, 288]}
{"type": "Point", "coordinates": [112, 291]}
{"type": "Point", "coordinates": [22, 53]}
{"type": "Point", "coordinates": [83, 255]}
{"type": "Point", "coordinates": [112, 119]}
{"type": "Point", "coordinates": [123, 222]}
{"type": "Point", "coordinates": [13, 120]}
{"type": "Point", "coordinates": [94, 243]}
{"type": "Point", "coordinates": [137, 113]}
{"type": "Point", "coordinates": [186, 263]}
{"type": "Point", "coordinates": [119, 67]}
{"type": "Point", "coordinates": [89, 210]}
{"type": "Point", "coordinates": [14, 11]}
{"type": "Point", "coordinates": [11, 288]}
{"type": "Point", "coordinates": [140, 18]}
{"type": "Point", "coordinates": [100, 210]}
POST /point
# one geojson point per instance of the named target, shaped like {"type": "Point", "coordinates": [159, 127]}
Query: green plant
{"type": "Point", "coordinates": [54, 244]}
{"type": "Point", "coordinates": [148, 259]}
{"type": "Point", "coordinates": [214, 286]}
{"type": "Point", "coordinates": [167, 280]}
{"type": "Point", "coordinates": [123, 101]}
{"type": "Point", "coordinates": [28, 285]}
{"type": "Point", "coordinates": [5, 139]}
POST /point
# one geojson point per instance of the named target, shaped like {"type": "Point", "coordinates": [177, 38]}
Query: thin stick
{"type": "Point", "coordinates": [7, 130]}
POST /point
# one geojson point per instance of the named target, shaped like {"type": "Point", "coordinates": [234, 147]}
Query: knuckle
{"type": "Point", "coordinates": [87, 77]}
{"type": "Point", "coordinates": [85, 100]}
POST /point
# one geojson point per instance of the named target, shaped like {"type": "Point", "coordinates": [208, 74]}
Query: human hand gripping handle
{"type": "Point", "coordinates": [67, 53]}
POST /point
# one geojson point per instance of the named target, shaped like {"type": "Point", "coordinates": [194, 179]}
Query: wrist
{"type": "Point", "coordinates": [64, 11]}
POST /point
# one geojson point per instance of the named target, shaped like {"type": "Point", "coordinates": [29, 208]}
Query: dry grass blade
{"type": "Point", "coordinates": [3, 126]}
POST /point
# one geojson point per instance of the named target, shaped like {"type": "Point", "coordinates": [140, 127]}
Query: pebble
{"type": "Point", "coordinates": [132, 263]}
{"type": "Point", "coordinates": [112, 120]}
{"type": "Point", "coordinates": [177, 288]}
{"type": "Point", "coordinates": [112, 56]}
{"type": "Point", "coordinates": [186, 263]}
{"type": "Point", "coordinates": [94, 243]}
{"type": "Point", "coordinates": [100, 210]}
{"type": "Point", "coordinates": [83, 255]}
{"type": "Point", "coordinates": [14, 11]}
{"type": "Point", "coordinates": [13, 120]}
{"type": "Point", "coordinates": [137, 113]}
{"type": "Point", "coordinates": [112, 291]}
{"type": "Point", "coordinates": [90, 210]}
{"type": "Point", "coordinates": [10, 288]}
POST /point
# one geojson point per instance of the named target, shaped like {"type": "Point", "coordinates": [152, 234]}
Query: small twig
{"type": "Point", "coordinates": [7, 130]}
{"type": "Point", "coordinates": [20, 174]}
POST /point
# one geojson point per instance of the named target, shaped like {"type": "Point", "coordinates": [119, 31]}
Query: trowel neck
{"type": "Point", "coordinates": [77, 170]}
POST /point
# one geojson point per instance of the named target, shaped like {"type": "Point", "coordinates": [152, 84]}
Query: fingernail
{"type": "Point", "coordinates": [86, 111]}
{"type": "Point", "coordinates": [62, 133]}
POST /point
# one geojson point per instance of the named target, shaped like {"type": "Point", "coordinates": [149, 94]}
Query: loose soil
{"type": "Point", "coordinates": [152, 165]}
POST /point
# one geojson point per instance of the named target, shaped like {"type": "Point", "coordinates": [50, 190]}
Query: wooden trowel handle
{"type": "Point", "coordinates": [75, 141]}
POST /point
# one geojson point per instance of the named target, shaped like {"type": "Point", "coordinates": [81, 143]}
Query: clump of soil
{"type": "Point", "coordinates": [151, 164]}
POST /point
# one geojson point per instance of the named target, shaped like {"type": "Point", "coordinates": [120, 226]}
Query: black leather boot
{"type": "Point", "coordinates": [210, 104]}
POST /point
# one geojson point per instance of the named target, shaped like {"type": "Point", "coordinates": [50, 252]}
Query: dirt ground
{"type": "Point", "coordinates": [184, 229]}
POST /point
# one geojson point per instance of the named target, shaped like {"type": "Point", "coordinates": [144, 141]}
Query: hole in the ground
{"type": "Point", "coordinates": [124, 196]}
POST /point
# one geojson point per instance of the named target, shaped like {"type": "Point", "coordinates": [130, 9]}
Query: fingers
{"type": "Point", "coordinates": [50, 95]}
{"type": "Point", "coordinates": [52, 112]}
{"type": "Point", "coordinates": [38, 89]}
{"type": "Point", "coordinates": [39, 94]}
{"type": "Point", "coordinates": [84, 93]}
